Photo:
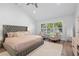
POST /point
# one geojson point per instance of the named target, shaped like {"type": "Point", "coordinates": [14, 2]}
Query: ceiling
{"type": "Point", "coordinates": [49, 10]}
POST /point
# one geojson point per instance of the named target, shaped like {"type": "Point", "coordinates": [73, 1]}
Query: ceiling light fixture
{"type": "Point", "coordinates": [34, 4]}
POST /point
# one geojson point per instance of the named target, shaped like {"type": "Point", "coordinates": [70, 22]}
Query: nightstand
{"type": "Point", "coordinates": [0, 43]}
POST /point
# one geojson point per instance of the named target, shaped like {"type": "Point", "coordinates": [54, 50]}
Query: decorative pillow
{"type": "Point", "coordinates": [10, 34]}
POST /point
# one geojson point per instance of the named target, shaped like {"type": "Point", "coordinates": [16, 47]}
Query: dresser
{"type": "Point", "coordinates": [0, 42]}
{"type": "Point", "coordinates": [75, 46]}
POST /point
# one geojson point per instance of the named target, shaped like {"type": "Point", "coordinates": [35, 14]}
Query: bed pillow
{"type": "Point", "coordinates": [22, 33]}
{"type": "Point", "coordinates": [10, 34]}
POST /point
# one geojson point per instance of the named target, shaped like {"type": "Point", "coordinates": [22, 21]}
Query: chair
{"type": "Point", "coordinates": [55, 37]}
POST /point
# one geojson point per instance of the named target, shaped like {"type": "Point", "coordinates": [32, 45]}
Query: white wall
{"type": "Point", "coordinates": [68, 22]}
{"type": "Point", "coordinates": [77, 10]}
{"type": "Point", "coordinates": [77, 21]}
{"type": "Point", "coordinates": [13, 15]}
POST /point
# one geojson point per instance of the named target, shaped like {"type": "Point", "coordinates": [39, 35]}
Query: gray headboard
{"type": "Point", "coordinates": [12, 28]}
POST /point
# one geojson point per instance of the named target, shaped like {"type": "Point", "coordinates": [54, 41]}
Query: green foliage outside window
{"type": "Point", "coordinates": [54, 25]}
{"type": "Point", "coordinates": [58, 24]}
{"type": "Point", "coordinates": [50, 25]}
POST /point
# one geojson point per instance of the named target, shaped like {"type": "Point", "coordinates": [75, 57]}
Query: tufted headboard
{"type": "Point", "coordinates": [12, 28]}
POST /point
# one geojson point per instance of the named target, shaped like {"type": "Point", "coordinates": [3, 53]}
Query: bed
{"type": "Point", "coordinates": [20, 45]}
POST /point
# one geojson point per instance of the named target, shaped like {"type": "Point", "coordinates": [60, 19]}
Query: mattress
{"type": "Point", "coordinates": [21, 43]}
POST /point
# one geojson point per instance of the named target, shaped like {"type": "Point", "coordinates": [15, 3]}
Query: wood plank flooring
{"type": "Point", "coordinates": [67, 49]}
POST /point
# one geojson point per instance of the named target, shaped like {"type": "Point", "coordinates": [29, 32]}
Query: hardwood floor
{"type": "Point", "coordinates": [67, 48]}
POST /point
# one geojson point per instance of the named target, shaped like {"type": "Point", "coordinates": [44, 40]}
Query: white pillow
{"type": "Point", "coordinates": [22, 33]}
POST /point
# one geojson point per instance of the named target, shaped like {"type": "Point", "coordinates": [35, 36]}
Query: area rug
{"type": "Point", "coordinates": [47, 49]}
{"type": "Point", "coordinates": [5, 53]}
